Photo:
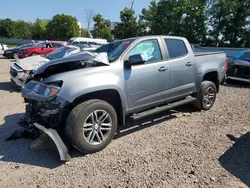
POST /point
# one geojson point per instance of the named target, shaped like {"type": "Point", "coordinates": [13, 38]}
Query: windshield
{"type": "Point", "coordinates": [38, 44]}
{"type": "Point", "coordinates": [114, 49]}
{"type": "Point", "coordinates": [70, 41]}
{"type": "Point", "coordinates": [61, 52]}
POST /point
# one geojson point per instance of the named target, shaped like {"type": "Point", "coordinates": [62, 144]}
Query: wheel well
{"type": "Point", "coordinates": [213, 77]}
{"type": "Point", "coordinates": [111, 96]}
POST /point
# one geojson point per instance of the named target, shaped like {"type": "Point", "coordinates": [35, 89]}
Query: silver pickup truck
{"type": "Point", "coordinates": [82, 99]}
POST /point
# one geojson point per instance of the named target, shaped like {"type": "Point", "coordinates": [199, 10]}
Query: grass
{"type": "Point", "coordinates": [12, 45]}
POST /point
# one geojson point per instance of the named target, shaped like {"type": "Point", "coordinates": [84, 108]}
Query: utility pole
{"type": "Point", "coordinates": [132, 4]}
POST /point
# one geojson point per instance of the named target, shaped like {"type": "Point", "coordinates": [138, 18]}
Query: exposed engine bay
{"type": "Point", "coordinates": [46, 112]}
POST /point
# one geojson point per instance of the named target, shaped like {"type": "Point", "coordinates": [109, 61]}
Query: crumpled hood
{"type": "Point", "coordinates": [31, 63]}
{"type": "Point", "coordinates": [85, 56]}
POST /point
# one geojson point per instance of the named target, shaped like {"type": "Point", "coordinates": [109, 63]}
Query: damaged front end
{"type": "Point", "coordinates": [239, 71]}
{"type": "Point", "coordinates": [44, 118]}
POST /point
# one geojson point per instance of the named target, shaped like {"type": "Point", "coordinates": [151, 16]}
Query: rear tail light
{"type": "Point", "coordinates": [226, 63]}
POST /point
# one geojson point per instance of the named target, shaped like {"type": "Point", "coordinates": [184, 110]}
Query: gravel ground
{"type": "Point", "coordinates": [181, 148]}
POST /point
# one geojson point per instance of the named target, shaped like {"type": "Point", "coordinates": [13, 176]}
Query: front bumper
{"type": "Point", "coordinates": [22, 55]}
{"type": "Point", "coordinates": [8, 55]}
{"type": "Point", "coordinates": [18, 76]}
{"type": "Point", "coordinates": [239, 73]}
{"type": "Point", "coordinates": [47, 116]}
{"type": "Point", "coordinates": [48, 138]}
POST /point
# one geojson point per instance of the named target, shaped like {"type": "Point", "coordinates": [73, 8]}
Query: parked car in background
{"type": "Point", "coordinates": [91, 41]}
{"type": "Point", "coordinates": [41, 48]}
{"type": "Point", "coordinates": [3, 47]}
{"type": "Point", "coordinates": [239, 70]}
{"type": "Point", "coordinates": [87, 47]}
{"type": "Point", "coordinates": [13, 52]}
{"type": "Point", "coordinates": [83, 98]}
{"type": "Point", "coordinates": [22, 70]}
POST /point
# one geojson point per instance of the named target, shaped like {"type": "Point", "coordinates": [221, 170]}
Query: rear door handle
{"type": "Point", "coordinates": [189, 64]}
{"type": "Point", "coordinates": [161, 69]}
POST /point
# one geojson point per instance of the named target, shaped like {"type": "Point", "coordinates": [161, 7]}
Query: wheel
{"type": "Point", "coordinates": [15, 56]}
{"type": "Point", "coordinates": [206, 97]}
{"type": "Point", "coordinates": [34, 54]}
{"type": "Point", "coordinates": [91, 126]}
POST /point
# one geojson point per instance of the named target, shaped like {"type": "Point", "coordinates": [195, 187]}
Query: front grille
{"type": "Point", "coordinates": [13, 72]}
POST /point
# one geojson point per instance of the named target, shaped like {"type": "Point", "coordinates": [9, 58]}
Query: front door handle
{"type": "Point", "coordinates": [189, 64]}
{"type": "Point", "coordinates": [161, 69]}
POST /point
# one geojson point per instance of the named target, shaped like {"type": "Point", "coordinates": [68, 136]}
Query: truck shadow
{"type": "Point", "coordinates": [17, 151]}
{"type": "Point", "coordinates": [236, 159]}
{"type": "Point", "coordinates": [8, 86]}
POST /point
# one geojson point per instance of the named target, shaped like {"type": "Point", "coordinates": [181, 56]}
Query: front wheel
{"type": "Point", "coordinates": [34, 54]}
{"type": "Point", "coordinates": [91, 126]}
{"type": "Point", "coordinates": [206, 97]}
{"type": "Point", "coordinates": [15, 56]}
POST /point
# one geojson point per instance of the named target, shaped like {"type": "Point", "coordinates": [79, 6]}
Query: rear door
{"type": "Point", "coordinates": [148, 83]}
{"type": "Point", "coordinates": [183, 68]}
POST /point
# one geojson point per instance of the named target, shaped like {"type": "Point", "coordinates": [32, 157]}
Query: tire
{"type": "Point", "coordinates": [15, 56]}
{"type": "Point", "coordinates": [34, 54]}
{"type": "Point", "coordinates": [208, 89]}
{"type": "Point", "coordinates": [82, 115]}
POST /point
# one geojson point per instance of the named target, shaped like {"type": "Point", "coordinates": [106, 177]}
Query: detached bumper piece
{"type": "Point", "coordinates": [48, 138]}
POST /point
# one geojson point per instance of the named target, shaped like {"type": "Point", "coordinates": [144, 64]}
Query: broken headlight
{"type": "Point", "coordinates": [45, 90]}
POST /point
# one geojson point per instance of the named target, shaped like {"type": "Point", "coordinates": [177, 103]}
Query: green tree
{"type": "Point", "coordinates": [62, 27]}
{"type": "Point", "coordinates": [101, 28]}
{"type": "Point", "coordinates": [84, 32]}
{"type": "Point", "coordinates": [228, 20]}
{"type": "Point", "coordinates": [7, 28]}
{"type": "Point", "coordinates": [39, 29]}
{"type": "Point", "coordinates": [128, 26]}
{"type": "Point", "coordinates": [23, 30]}
{"type": "Point", "coordinates": [185, 18]}
{"type": "Point", "coordinates": [147, 17]}
{"type": "Point", "coordinates": [236, 22]}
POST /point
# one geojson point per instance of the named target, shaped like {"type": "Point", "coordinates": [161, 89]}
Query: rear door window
{"type": "Point", "coordinates": [176, 48]}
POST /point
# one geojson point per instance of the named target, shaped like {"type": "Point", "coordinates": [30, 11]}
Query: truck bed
{"type": "Point", "coordinates": [207, 53]}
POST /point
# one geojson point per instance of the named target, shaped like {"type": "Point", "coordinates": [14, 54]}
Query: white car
{"type": "Point", "coordinates": [2, 48]}
{"type": "Point", "coordinates": [22, 70]}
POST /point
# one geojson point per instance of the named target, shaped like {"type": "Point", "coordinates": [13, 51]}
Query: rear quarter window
{"type": "Point", "coordinates": [57, 45]}
{"type": "Point", "coordinates": [176, 48]}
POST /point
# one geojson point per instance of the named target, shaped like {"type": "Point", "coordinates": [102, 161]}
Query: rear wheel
{"type": "Point", "coordinates": [91, 126]}
{"type": "Point", "coordinates": [206, 97]}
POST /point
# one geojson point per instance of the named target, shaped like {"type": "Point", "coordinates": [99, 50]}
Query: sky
{"type": "Point", "coordinates": [29, 10]}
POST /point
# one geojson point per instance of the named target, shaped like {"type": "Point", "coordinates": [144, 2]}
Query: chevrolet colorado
{"type": "Point", "coordinates": [81, 99]}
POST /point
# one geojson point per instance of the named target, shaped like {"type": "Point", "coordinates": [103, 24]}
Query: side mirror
{"type": "Point", "coordinates": [136, 59]}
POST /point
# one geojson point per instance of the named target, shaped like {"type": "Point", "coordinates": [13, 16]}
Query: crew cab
{"type": "Point", "coordinates": [41, 48]}
{"type": "Point", "coordinates": [86, 97]}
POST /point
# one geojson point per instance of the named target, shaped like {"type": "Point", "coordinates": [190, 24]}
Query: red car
{"type": "Point", "coordinates": [42, 48]}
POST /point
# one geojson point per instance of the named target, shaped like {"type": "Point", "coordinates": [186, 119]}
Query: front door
{"type": "Point", "coordinates": [183, 68]}
{"type": "Point", "coordinates": [148, 83]}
